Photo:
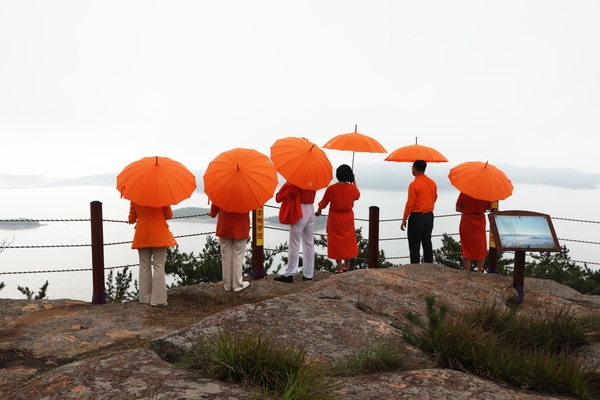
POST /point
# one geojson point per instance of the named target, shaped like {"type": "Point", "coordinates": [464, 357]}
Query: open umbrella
{"type": "Point", "coordinates": [302, 163]}
{"type": "Point", "coordinates": [416, 152]}
{"type": "Point", "coordinates": [240, 180]}
{"type": "Point", "coordinates": [156, 182]}
{"type": "Point", "coordinates": [354, 142]}
{"type": "Point", "coordinates": [481, 181]}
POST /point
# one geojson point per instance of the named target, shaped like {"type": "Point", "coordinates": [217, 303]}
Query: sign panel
{"type": "Point", "coordinates": [523, 230]}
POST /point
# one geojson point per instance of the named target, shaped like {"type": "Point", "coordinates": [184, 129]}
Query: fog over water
{"type": "Point", "coordinates": [69, 239]}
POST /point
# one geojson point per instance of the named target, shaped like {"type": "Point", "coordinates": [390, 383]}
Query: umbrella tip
{"type": "Point", "coordinates": [355, 128]}
{"type": "Point", "coordinates": [486, 163]}
{"type": "Point", "coordinates": [156, 160]}
{"type": "Point", "coordinates": [415, 140]}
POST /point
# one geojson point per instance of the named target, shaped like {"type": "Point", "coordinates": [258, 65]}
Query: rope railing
{"type": "Point", "coordinates": [28, 220]}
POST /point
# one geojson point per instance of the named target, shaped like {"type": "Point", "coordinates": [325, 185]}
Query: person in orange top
{"type": "Point", "coordinates": [341, 233]}
{"type": "Point", "coordinates": [418, 212]}
{"type": "Point", "coordinates": [473, 241]}
{"type": "Point", "coordinates": [233, 232]}
{"type": "Point", "coordinates": [302, 231]}
{"type": "Point", "coordinates": [151, 239]}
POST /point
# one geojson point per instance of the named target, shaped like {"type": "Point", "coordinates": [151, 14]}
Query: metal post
{"type": "Point", "coordinates": [519, 275]}
{"type": "Point", "coordinates": [493, 252]}
{"type": "Point", "coordinates": [258, 256]}
{"type": "Point", "coordinates": [373, 237]}
{"type": "Point", "coordinates": [99, 293]}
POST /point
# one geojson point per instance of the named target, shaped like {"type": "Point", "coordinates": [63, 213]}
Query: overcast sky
{"type": "Point", "coordinates": [86, 87]}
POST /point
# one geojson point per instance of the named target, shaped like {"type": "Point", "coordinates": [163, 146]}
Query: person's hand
{"type": "Point", "coordinates": [403, 225]}
{"type": "Point", "coordinates": [318, 212]}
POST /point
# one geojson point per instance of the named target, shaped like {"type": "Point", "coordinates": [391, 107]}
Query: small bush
{"type": "Point", "coordinates": [375, 357]}
{"type": "Point", "coordinates": [516, 349]}
{"type": "Point", "coordinates": [255, 360]}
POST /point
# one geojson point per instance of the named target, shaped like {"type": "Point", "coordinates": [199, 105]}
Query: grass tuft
{"type": "Point", "coordinates": [278, 371]}
{"type": "Point", "coordinates": [500, 344]}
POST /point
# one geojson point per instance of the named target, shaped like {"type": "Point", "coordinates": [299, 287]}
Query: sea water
{"type": "Point", "coordinates": [65, 229]}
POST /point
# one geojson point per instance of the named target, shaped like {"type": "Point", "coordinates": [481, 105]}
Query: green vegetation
{"type": "Point", "coordinates": [516, 349]}
{"type": "Point", "coordinates": [375, 357]}
{"type": "Point", "coordinates": [119, 292]}
{"type": "Point", "coordinates": [30, 295]}
{"type": "Point", "coordinates": [279, 372]}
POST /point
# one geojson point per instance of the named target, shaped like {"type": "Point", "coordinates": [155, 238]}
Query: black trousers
{"type": "Point", "coordinates": [420, 226]}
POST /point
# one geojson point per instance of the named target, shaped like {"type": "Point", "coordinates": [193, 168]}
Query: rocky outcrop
{"type": "Point", "coordinates": [60, 349]}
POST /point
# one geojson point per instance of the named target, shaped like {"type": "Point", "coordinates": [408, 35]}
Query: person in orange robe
{"type": "Point", "coordinates": [233, 230]}
{"type": "Point", "coordinates": [341, 233]}
{"type": "Point", "coordinates": [151, 239]}
{"type": "Point", "coordinates": [473, 242]}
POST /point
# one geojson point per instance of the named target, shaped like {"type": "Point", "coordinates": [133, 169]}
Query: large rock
{"type": "Point", "coordinates": [104, 349]}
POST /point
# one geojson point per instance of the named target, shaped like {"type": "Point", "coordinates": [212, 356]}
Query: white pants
{"type": "Point", "coordinates": [153, 288]}
{"type": "Point", "coordinates": [232, 261]}
{"type": "Point", "coordinates": [302, 232]}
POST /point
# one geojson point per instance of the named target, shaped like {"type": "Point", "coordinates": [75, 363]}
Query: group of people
{"type": "Point", "coordinates": [152, 234]}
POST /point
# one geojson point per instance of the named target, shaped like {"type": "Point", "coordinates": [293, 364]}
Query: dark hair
{"type": "Point", "coordinates": [420, 165]}
{"type": "Point", "coordinates": [344, 173]}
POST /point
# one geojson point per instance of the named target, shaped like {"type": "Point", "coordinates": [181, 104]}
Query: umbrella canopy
{"type": "Point", "coordinates": [156, 182]}
{"type": "Point", "coordinates": [481, 181]}
{"type": "Point", "coordinates": [302, 163]}
{"type": "Point", "coordinates": [354, 142]}
{"type": "Point", "coordinates": [416, 152]}
{"type": "Point", "coordinates": [240, 180]}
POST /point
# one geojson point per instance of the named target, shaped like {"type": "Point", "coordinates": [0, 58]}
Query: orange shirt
{"type": "Point", "coordinates": [151, 228]}
{"type": "Point", "coordinates": [422, 194]}
{"type": "Point", "coordinates": [231, 225]}
{"type": "Point", "coordinates": [306, 196]}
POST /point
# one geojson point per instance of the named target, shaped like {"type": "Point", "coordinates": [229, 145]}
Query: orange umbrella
{"type": "Point", "coordinates": [416, 152]}
{"type": "Point", "coordinates": [481, 181]}
{"type": "Point", "coordinates": [156, 182]}
{"type": "Point", "coordinates": [302, 163]}
{"type": "Point", "coordinates": [240, 180]}
{"type": "Point", "coordinates": [354, 142]}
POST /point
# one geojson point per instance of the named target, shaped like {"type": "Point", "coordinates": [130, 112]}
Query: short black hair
{"type": "Point", "coordinates": [420, 165]}
{"type": "Point", "coordinates": [344, 173]}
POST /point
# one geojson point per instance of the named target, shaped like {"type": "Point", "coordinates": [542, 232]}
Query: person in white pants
{"type": "Point", "coordinates": [233, 230]}
{"type": "Point", "coordinates": [301, 232]}
{"type": "Point", "coordinates": [151, 239]}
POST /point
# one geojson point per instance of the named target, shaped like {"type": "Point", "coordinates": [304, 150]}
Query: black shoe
{"type": "Point", "coordinates": [283, 278]}
{"type": "Point", "coordinates": [306, 279]}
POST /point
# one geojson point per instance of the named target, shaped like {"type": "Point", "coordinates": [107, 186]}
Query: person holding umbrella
{"type": "Point", "coordinates": [341, 233]}
{"type": "Point", "coordinates": [473, 242]}
{"type": "Point", "coordinates": [233, 231]}
{"type": "Point", "coordinates": [418, 212]}
{"type": "Point", "coordinates": [301, 231]}
{"type": "Point", "coordinates": [151, 239]}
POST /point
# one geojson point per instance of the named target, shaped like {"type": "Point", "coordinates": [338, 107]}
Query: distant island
{"type": "Point", "coordinates": [199, 214]}
{"type": "Point", "coordinates": [19, 223]}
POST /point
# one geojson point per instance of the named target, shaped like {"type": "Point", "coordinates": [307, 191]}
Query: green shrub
{"type": "Point", "coordinates": [516, 349]}
{"type": "Point", "coordinates": [253, 359]}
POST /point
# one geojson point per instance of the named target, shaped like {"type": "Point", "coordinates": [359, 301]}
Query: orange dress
{"type": "Point", "coordinates": [473, 240]}
{"type": "Point", "coordinates": [151, 229]}
{"type": "Point", "coordinates": [341, 233]}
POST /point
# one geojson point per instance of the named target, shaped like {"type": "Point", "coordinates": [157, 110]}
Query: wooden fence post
{"type": "Point", "coordinates": [373, 237]}
{"type": "Point", "coordinates": [99, 293]}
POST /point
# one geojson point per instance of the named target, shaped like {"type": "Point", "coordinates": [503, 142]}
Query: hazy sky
{"type": "Point", "coordinates": [87, 87]}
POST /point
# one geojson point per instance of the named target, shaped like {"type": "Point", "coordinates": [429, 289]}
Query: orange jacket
{"type": "Point", "coordinates": [151, 229]}
{"type": "Point", "coordinates": [422, 194]}
{"type": "Point", "coordinates": [231, 225]}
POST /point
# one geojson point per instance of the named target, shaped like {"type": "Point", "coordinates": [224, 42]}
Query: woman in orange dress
{"type": "Point", "coordinates": [472, 232]}
{"type": "Point", "coordinates": [341, 234]}
{"type": "Point", "coordinates": [151, 239]}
